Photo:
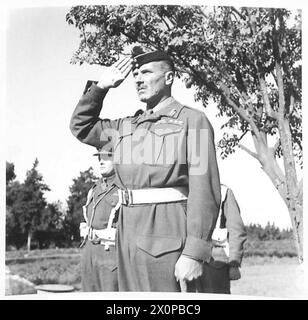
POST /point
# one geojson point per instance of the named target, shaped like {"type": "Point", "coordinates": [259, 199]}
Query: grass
{"type": "Point", "coordinates": [270, 277]}
{"type": "Point", "coordinates": [63, 271]}
{"type": "Point", "coordinates": [16, 254]}
{"type": "Point", "coordinates": [268, 269]}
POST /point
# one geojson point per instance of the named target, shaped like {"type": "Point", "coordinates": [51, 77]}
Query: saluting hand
{"type": "Point", "coordinates": [114, 75]}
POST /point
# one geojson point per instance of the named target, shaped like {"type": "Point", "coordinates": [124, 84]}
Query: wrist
{"type": "Point", "coordinates": [103, 86]}
{"type": "Point", "coordinates": [234, 263]}
{"type": "Point", "coordinates": [192, 258]}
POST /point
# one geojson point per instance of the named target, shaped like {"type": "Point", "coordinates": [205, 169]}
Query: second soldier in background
{"type": "Point", "coordinates": [98, 262]}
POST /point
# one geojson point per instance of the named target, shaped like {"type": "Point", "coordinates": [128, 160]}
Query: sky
{"type": "Point", "coordinates": [42, 90]}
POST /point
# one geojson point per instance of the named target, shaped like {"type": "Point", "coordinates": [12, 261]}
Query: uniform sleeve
{"type": "Point", "coordinates": [85, 123]}
{"type": "Point", "coordinates": [204, 188]}
{"type": "Point", "coordinates": [235, 227]}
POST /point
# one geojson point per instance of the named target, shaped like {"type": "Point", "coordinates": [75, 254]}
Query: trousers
{"type": "Point", "coordinates": [98, 268]}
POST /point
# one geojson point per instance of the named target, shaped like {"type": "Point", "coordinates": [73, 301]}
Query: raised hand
{"type": "Point", "coordinates": [114, 75]}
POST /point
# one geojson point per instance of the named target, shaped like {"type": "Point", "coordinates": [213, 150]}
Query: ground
{"type": "Point", "coordinates": [269, 277]}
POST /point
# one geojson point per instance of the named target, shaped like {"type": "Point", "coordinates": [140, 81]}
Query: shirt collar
{"type": "Point", "coordinates": [163, 104]}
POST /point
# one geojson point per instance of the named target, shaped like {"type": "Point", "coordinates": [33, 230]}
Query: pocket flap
{"type": "Point", "coordinates": [164, 129]}
{"type": "Point", "coordinates": [158, 245]}
{"type": "Point", "coordinates": [126, 129]}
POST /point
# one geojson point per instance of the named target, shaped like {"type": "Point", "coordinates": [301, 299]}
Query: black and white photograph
{"type": "Point", "coordinates": [153, 150]}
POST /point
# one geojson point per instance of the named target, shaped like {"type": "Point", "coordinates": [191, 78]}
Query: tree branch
{"type": "Point", "coordinates": [267, 105]}
{"type": "Point", "coordinates": [263, 136]}
{"type": "Point", "coordinates": [300, 187]}
{"type": "Point", "coordinates": [165, 22]}
{"type": "Point", "coordinates": [242, 136]}
{"type": "Point", "coordinates": [246, 100]}
{"type": "Point", "coordinates": [291, 105]}
{"type": "Point", "coordinates": [253, 154]}
{"type": "Point", "coordinates": [238, 13]}
{"type": "Point", "coordinates": [281, 99]}
{"type": "Point", "coordinates": [241, 112]}
{"type": "Point", "coordinates": [275, 147]}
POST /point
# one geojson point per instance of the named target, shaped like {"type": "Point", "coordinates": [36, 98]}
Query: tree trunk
{"type": "Point", "coordinates": [294, 205]}
{"type": "Point", "coordinates": [296, 214]}
{"type": "Point", "coordinates": [29, 241]}
{"type": "Point", "coordinates": [289, 189]}
{"type": "Point", "coordinates": [293, 189]}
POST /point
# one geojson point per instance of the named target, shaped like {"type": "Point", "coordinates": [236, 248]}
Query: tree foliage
{"type": "Point", "coordinates": [25, 204]}
{"type": "Point", "coordinates": [10, 172]}
{"type": "Point", "coordinates": [227, 53]}
{"type": "Point", "coordinates": [29, 213]}
{"type": "Point", "coordinates": [269, 232]}
{"type": "Point", "coordinates": [13, 233]}
{"type": "Point", "coordinates": [31, 201]}
{"type": "Point", "coordinates": [50, 231]}
{"type": "Point", "coordinates": [77, 199]}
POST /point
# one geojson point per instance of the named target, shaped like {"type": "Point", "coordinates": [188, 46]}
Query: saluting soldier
{"type": "Point", "coordinates": [99, 261]}
{"type": "Point", "coordinates": [166, 169]}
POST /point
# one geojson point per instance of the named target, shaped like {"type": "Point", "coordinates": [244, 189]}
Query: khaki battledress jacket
{"type": "Point", "coordinates": [171, 147]}
{"type": "Point", "coordinates": [232, 220]}
{"type": "Point", "coordinates": [217, 278]}
{"type": "Point", "coordinates": [99, 266]}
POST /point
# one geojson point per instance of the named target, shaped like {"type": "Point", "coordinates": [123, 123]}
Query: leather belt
{"type": "Point", "coordinates": [152, 195]}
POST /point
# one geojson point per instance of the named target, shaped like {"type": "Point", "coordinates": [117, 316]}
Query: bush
{"type": "Point", "coordinates": [270, 248]}
{"type": "Point", "coordinates": [269, 232]}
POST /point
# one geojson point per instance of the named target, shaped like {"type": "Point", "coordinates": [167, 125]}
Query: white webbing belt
{"type": "Point", "coordinates": [220, 235]}
{"type": "Point", "coordinates": [106, 236]}
{"type": "Point", "coordinates": [152, 195]}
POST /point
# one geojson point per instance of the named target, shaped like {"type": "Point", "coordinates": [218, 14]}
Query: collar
{"type": "Point", "coordinates": [104, 184]}
{"type": "Point", "coordinates": [171, 108]}
{"type": "Point", "coordinates": [167, 108]}
{"type": "Point", "coordinates": [162, 104]}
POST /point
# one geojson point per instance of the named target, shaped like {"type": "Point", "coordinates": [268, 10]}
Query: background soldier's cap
{"type": "Point", "coordinates": [141, 57]}
{"type": "Point", "coordinates": [104, 152]}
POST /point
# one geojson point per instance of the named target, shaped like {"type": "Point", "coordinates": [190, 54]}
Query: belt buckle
{"type": "Point", "coordinates": [126, 197]}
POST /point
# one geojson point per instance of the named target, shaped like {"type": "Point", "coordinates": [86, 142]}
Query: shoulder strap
{"type": "Point", "coordinates": [224, 190]}
{"type": "Point", "coordinates": [84, 207]}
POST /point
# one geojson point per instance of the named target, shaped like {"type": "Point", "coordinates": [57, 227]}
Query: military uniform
{"type": "Point", "coordinates": [217, 277]}
{"type": "Point", "coordinates": [166, 169]}
{"type": "Point", "coordinates": [98, 261]}
{"type": "Point", "coordinates": [151, 237]}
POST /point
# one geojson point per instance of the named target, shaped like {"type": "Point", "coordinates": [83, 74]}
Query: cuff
{"type": "Point", "coordinates": [198, 249]}
{"type": "Point", "coordinates": [234, 263]}
{"type": "Point", "coordinates": [96, 92]}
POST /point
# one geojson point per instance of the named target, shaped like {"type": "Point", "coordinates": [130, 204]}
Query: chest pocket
{"type": "Point", "coordinates": [122, 147]}
{"type": "Point", "coordinates": [163, 144]}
